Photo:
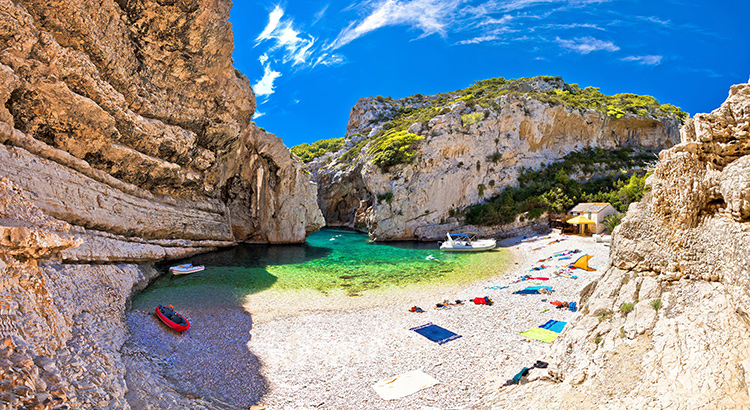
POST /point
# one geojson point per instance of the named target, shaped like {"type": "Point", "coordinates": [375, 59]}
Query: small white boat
{"type": "Point", "coordinates": [463, 243]}
{"type": "Point", "coordinates": [185, 269]}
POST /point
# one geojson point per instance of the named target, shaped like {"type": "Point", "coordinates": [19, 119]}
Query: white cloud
{"type": "Point", "coordinates": [429, 16]}
{"type": "Point", "coordinates": [258, 114]}
{"type": "Point", "coordinates": [319, 15]}
{"type": "Point", "coordinates": [273, 21]}
{"type": "Point", "coordinates": [585, 45]}
{"type": "Point", "coordinates": [644, 60]}
{"type": "Point", "coordinates": [263, 58]}
{"type": "Point", "coordinates": [571, 26]}
{"type": "Point", "coordinates": [265, 85]}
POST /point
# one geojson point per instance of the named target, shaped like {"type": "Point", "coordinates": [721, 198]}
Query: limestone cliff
{"type": "Point", "coordinates": [681, 257]}
{"type": "Point", "coordinates": [469, 146]}
{"type": "Point", "coordinates": [125, 138]}
{"type": "Point", "coordinates": [128, 119]}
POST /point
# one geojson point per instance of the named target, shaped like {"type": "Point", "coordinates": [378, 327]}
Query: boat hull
{"type": "Point", "coordinates": [186, 269]}
{"type": "Point", "coordinates": [477, 246]}
{"type": "Point", "coordinates": [172, 325]}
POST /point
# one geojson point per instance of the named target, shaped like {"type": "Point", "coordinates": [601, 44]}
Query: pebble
{"type": "Point", "coordinates": [337, 355]}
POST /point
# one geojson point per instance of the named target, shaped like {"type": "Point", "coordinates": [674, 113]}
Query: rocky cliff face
{"type": "Point", "coordinates": [468, 153]}
{"type": "Point", "coordinates": [128, 119]}
{"type": "Point", "coordinates": [125, 138]}
{"type": "Point", "coordinates": [681, 257]}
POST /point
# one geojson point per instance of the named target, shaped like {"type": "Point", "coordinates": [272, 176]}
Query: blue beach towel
{"type": "Point", "coordinates": [532, 290]}
{"type": "Point", "coordinates": [554, 325]}
{"type": "Point", "coordinates": [435, 333]}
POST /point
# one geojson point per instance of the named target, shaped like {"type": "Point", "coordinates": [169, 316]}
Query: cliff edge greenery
{"type": "Point", "coordinates": [618, 176]}
{"type": "Point", "coordinates": [392, 144]}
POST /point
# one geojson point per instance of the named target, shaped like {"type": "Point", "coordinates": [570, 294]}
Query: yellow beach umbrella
{"type": "Point", "coordinates": [581, 220]}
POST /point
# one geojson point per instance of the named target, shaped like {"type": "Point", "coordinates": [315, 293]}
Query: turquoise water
{"type": "Point", "coordinates": [331, 259]}
{"type": "Point", "coordinates": [212, 359]}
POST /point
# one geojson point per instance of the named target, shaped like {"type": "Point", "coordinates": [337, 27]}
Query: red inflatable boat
{"type": "Point", "coordinates": [172, 319]}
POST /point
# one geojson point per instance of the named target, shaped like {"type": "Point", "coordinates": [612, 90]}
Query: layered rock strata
{"type": "Point", "coordinates": [128, 118]}
{"type": "Point", "coordinates": [461, 160]}
{"type": "Point", "coordinates": [125, 138]}
{"type": "Point", "coordinates": [667, 325]}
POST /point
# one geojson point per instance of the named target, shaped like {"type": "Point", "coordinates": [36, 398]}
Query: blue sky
{"type": "Point", "coordinates": [310, 61]}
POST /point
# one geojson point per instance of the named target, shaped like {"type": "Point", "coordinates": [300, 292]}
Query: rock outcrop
{"type": "Point", "coordinates": [468, 153]}
{"type": "Point", "coordinates": [127, 118]}
{"type": "Point", "coordinates": [680, 257]}
{"type": "Point", "coordinates": [125, 138]}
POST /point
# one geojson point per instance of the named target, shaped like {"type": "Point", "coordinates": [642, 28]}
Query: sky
{"type": "Point", "coordinates": [310, 61]}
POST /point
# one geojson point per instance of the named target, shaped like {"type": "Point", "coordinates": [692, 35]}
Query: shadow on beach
{"type": "Point", "coordinates": [211, 360]}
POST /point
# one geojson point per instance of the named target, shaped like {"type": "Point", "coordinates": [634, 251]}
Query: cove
{"type": "Point", "coordinates": [334, 269]}
{"type": "Point", "coordinates": [330, 260]}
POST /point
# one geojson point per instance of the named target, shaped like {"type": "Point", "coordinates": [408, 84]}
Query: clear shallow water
{"type": "Point", "coordinates": [212, 358]}
{"type": "Point", "coordinates": [331, 259]}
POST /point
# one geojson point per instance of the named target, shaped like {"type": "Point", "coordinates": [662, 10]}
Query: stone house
{"type": "Point", "coordinates": [596, 211]}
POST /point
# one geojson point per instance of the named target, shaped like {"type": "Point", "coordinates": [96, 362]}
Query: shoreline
{"type": "Point", "coordinates": [274, 304]}
{"type": "Point", "coordinates": [330, 357]}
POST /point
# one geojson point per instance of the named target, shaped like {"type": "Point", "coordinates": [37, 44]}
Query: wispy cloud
{"type": "Point", "coordinates": [273, 21]}
{"type": "Point", "coordinates": [586, 45]}
{"type": "Point", "coordinates": [319, 15]}
{"type": "Point", "coordinates": [287, 48]}
{"type": "Point", "coordinates": [644, 60]}
{"type": "Point", "coordinates": [570, 26]}
{"type": "Point", "coordinates": [429, 16]}
{"type": "Point", "coordinates": [290, 44]}
{"type": "Point", "coordinates": [264, 86]}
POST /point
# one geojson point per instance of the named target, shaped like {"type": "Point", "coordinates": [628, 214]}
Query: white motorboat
{"type": "Point", "coordinates": [185, 269]}
{"type": "Point", "coordinates": [463, 243]}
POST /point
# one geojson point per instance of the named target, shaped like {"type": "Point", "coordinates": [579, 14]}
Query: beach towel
{"type": "Point", "coordinates": [554, 325]}
{"type": "Point", "coordinates": [539, 278]}
{"type": "Point", "coordinates": [533, 290]}
{"type": "Point", "coordinates": [435, 333]}
{"type": "Point", "coordinates": [400, 386]}
{"type": "Point", "coordinates": [537, 333]}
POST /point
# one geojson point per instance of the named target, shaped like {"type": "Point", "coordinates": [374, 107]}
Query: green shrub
{"type": "Point", "coordinates": [550, 189]}
{"type": "Point", "coordinates": [480, 189]}
{"type": "Point", "coordinates": [307, 152]}
{"type": "Point", "coordinates": [394, 148]}
{"type": "Point", "coordinates": [387, 197]}
{"type": "Point", "coordinates": [656, 304]}
{"type": "Point", "coordinates": [626, 307]}
{"type": "Point", "coordinates": [604, 315]}
{"type": "Point", "coordinates": [473, 118]}
{"type": "Point", "coordinates": [612, 221]}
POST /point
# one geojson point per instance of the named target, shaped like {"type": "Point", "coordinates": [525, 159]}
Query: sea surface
{"type": "Point", "coordinates": [212, 359]}
{"type": "Point", "coordinates": [331, 259]}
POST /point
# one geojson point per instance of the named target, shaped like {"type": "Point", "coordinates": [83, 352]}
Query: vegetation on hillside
{"type": "Point", "coordinates": [550, 188]}
{"type": "Point", "coordinates": [392, 148]}
{"type": "Point", "coordinates": [552, 90]}
{"type": "Point", "coordinates": [307, 152]}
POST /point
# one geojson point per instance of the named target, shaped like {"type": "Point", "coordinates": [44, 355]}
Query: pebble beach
{"type": "Point", "coordinates": [328, 353]}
